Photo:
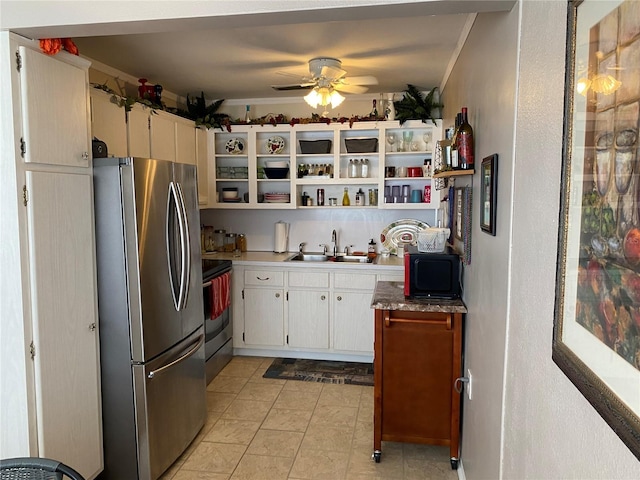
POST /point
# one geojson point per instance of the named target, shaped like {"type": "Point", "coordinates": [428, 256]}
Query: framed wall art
{"type": "Point", "coordinates": [488, 193]}
{"type": "Point", "coordinates": [596, 337]}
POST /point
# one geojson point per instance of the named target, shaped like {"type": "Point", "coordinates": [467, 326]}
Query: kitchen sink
{"type": "Point", "coordinates": [309, 257]}
{"type": "Point", "coordinates": [320, 257]}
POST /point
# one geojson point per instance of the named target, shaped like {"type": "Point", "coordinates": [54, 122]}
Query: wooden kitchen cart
{"type": "Point", "coordinates": [417, 363]}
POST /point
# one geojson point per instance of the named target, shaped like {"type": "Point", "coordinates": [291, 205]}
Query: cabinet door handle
{"type": "Point", "coordinates": [92, 327]}
{"type": "Point", "coordinates": [277, 295]}
{"type": "Point", "coordinates": [322, 297]}
{"type": "Point", "coordinates": [339, 298]}
{"type": "Point", "coordinates": [425, 321]}
{"type": "Point", "coordinates": [262, 279]}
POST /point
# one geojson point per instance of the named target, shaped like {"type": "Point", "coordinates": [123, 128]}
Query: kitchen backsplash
{"type": "Point", "coordinates": [353, 226]}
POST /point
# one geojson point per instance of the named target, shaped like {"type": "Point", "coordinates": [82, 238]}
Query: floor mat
{"type": "Point", "coordinates": [324, 371]}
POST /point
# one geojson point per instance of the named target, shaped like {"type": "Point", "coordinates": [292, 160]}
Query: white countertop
{"type": "Point", "coordinates": [392, 262]}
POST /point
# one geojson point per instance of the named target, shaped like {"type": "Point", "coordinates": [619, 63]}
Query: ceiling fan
{"type": "Point", "coordinates": [327, 72]}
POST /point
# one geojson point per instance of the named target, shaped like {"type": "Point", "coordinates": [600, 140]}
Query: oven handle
{"type": "Point", "coordinates": [206, 284]}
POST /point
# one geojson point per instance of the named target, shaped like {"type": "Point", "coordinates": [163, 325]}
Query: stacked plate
{"type": "Point", "coordinates": [277, 197]}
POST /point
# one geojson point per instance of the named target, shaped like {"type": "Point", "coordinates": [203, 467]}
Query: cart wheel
{"type": "Point", "coordinates": [376, 456]}
{"type": "Point", "coordinates": [454, 464]}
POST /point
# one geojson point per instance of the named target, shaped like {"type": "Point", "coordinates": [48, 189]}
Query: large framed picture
{"type": "Point", "coordinates": [488, 193]}
{"type": "Point", "coordinates": [596, 338]}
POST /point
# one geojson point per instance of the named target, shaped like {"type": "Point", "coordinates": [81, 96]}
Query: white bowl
{"type": "Point", "coordinates": [230, 193]}
{"type": "Point", "coordinates": [277, 163]}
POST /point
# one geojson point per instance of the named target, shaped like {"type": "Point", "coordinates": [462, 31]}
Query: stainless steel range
{"type": "Point", "coordinates": [218, 324]}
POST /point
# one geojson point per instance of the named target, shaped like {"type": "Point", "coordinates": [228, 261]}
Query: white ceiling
{"type": "Point", "coordinates": [240, 56]}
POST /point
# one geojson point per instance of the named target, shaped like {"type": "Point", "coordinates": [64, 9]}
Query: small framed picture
{"type": "Point", "coordinates": [488, 193]}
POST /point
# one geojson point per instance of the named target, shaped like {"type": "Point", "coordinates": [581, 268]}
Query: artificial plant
{"type": "Point", "coordinates": [415, 105]}
{"type": "Point", "coordinates": [206, 115]}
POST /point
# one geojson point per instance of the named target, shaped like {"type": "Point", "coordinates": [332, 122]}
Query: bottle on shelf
{"type": "Point", "coordinates": [364, 168]}
{"type": "Point", "coordinates": [374, 110]}
{"type": "Point", "coordinates": [465, 143]}
{"type": "Point", "coordinates": [247, 114]}
{"type": "Point", "coordinates": [345, 198]}
{"type": "Point", "coordinates": [320, 195]}
{"type": "Point", "coordinates": [455, 163]}
{"type": "Point", "coordinates": [426, 168]}
{"type": "Point", "coordinates": [360, 198]}
{"type": "Point", "coordinates": [371, 251]}
{"type": "Point", "coordinates": [354, 168]}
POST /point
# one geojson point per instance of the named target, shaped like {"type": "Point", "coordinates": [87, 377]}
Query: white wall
{"type": "Point", "coordinates": [550, 430]}
{"type": "Point", "coordinates": [353, 226]}
{"type": "Point", "coordinates": [484, 80]}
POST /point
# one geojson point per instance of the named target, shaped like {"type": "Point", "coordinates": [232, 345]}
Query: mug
{"type": "Point", "coordinates": [402, 171]}
{"type": "Point", "coordinates": [416, 196]}
{"type": "Point", "coordinates": [390, 172]}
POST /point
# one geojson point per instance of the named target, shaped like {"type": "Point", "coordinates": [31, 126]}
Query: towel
{"type": "Point", "coordinates": [220, 294]}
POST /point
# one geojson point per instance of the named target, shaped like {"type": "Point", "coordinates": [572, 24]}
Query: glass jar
{"type": "Point", "coordinates": [208, 245]}
{"type": "Point", "coordinates": [241, 242]}
{"type": "Point", "coordinates": [218, 240]}
{"type": "Point", "coordinates": [229, 242]}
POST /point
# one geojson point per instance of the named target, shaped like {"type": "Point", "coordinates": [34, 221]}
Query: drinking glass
{"type": "Point", "coordinates": [427, 137]}
{"type": "Point", "coordinates": [391, 139]}
{"type": "Point", "coordinates": [407, 137]}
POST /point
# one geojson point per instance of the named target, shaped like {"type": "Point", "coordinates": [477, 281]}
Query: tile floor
{"type": "Point", "coordinates": [266, 429]}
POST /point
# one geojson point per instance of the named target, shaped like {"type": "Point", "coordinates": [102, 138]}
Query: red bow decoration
{"type": "Point", "coordinates": [51, 46]}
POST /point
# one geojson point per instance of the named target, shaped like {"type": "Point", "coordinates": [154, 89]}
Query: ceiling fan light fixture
{"type": "Point", "coordinates": [323, 96]}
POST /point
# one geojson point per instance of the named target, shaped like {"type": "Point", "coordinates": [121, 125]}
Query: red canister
{"type": "Point", "coordinates": [427, 194]}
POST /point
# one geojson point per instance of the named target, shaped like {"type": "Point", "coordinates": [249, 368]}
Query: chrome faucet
{"type": "Point", "coordinates": [334, 240]}
{"type": "Point", "coordinates": [346, 249]}
{"type": "Point", "coordinates": [301, 247]}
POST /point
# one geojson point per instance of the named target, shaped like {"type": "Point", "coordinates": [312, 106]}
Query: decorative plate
{"type": "Point", "coordinates": [234, 146]}
{"type": "Point", "coordinates": [405, 231]}
{"type": "Point", "coordinates": [275, 145]}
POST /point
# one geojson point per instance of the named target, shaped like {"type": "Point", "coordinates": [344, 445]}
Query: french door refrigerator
{"type": "Point", "coordinates": [150, 313]}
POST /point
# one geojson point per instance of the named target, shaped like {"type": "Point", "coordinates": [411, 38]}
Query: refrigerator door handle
{"type": "Point", "coordinates": [178, 299]}
{"type": "Point", "coordinates": [186, 246]}
{"type": "Point", "coordinates": [181, 358]}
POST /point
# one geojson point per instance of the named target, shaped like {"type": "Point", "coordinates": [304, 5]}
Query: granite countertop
{"type": "Point", "coordinates": [390, 296]}
{"type": "Point", "coordinates": [255, 258]}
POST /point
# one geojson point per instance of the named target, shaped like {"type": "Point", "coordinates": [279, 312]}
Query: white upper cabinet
{"type": "Point", "coordinates": [185, 141]}
{"type": "Point", "coordinates": [202, 161]}
{"type": "Point", "coordinates": [138, 132]}
{"type": "Point", "coordinates": [163, 136]}
{"type": "Point", "coordinates": [55, 111]}
{"type": "Point", "coordinates": [109, 123]}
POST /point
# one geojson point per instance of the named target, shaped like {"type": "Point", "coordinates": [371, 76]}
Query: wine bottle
{"type": "Point", "coordinates": [465, 143]}
{"type": "Point", "coordinates": [374, 111]}
{"type": "Point", "coordinates": [345, 198]}
{"type": "Point", "coordinates": [455, 161]}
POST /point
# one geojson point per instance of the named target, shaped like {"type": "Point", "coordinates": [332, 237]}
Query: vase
{"type": "Point", "coordinates": [390, 109]}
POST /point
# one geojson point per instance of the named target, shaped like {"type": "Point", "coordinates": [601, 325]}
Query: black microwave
{"type": "Point", "coordinates": [431, 275]}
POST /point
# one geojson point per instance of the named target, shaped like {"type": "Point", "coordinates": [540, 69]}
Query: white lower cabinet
{"type": "Point", "coordinates": [352, 313]}
{"type": "Point", "coordinates": [303, 310]}
{"type": "Point", "coordinates": [308, 319]}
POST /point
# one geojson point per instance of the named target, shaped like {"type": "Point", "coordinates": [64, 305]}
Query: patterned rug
{"type": "Point", "coordinates": [324, 371]}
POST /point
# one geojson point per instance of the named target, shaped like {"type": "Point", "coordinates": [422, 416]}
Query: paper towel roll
{"type": "Point", "coordinates": [281, 237]}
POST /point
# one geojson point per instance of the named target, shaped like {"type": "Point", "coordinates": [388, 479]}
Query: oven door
{"type": "Point", "coordinates": [218, 331]}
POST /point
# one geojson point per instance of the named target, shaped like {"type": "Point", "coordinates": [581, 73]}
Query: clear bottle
{"type": "Point", "coordinates": [364, 168]}
{"type": "Point", "coordinates": [247, 114]}
{"type": "Point", "coordinates": [354, 167]}
{"type": "Point", "coordinates": [345, 198]}
{"type": "Point", "coordinates": [465, 142]}
{"type": "Point", "coordinates": [455, 162]}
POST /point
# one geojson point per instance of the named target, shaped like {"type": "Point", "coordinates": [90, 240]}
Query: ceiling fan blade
{"type": "Point", "coordinates": [333, 73]}
{"type": "Point", "coordinates": [288, 74]}
{"type": "Point", "coordinates": [294, 86]}
{"type": "Point", "coordinates": [342, 87]}
{"type": "Point", "coordinates": [360, 80]}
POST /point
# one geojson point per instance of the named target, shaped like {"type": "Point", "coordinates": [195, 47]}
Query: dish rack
{"type": "Point", "coordinates": [433, 240]}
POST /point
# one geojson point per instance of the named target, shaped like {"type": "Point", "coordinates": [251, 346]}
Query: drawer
{"type": "Point", "coordinates": [264, 278]}
{"type": "Point", "coordinates": [309, 279]}
{"type": "Point", "coordinates": [354, 281]}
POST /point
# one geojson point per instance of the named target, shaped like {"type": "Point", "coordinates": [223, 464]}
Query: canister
{"type": "Point", "coordinates": [229, 242]}
{"type": "Point", "coordinates": [218, 240]}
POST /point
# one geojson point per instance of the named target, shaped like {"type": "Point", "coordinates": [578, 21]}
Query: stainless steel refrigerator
{"type": "Point", "coordinates": [150, 313]}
